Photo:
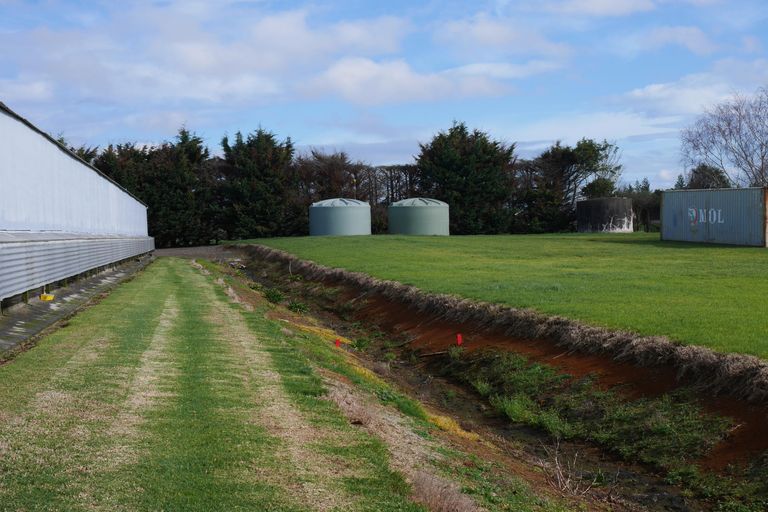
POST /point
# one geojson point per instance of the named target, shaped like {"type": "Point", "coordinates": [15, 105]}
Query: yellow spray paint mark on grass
{"type": "Point", "coordinates": [322, 332]}
{"type": "Point", "coordinates": [450, 425]}
{"type": "Point", "coordinates": [365, 373]}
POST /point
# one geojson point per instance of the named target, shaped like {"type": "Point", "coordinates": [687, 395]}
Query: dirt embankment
{"type": "Point", "coordinates": [729, 384]}
{"type": "Point", "coordinates": [736, 375]}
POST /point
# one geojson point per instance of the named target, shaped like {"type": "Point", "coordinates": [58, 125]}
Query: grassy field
{"type": "Point", "coordinates": [697, 294]}
{"type": "Point", "coordinates": [169, 396]}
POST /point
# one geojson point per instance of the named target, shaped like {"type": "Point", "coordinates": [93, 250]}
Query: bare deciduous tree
{"type": "Point", "coordinates": [732, 136]}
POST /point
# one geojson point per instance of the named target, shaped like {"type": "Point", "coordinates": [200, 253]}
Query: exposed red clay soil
{"type": "Point", "coordinates": [431, 332]}
{"type": "Point", "coordinates": [434, 335]}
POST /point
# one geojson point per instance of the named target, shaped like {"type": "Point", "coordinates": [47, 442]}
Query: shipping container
{"type": "Point", "coordinates": [722, 216]}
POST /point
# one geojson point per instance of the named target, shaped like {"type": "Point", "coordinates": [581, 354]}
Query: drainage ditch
{"type": "Point", "coordinates": [415, 346]}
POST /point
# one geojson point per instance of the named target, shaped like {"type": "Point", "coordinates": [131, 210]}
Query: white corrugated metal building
{"type": "Point", "coordinates": [59, 216]}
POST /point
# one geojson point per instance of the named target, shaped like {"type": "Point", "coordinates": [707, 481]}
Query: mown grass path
{"type": "Point", "coordinates": [697, 294]}
{"type": "Point", "coordinates": [168, 397]}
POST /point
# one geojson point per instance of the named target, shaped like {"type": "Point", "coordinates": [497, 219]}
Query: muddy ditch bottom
{"type": "Point", "coordinates": [355, 312]}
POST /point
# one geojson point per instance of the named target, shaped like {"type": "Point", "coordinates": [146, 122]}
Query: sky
{"type": "Point", "coordinates": [375, 79]}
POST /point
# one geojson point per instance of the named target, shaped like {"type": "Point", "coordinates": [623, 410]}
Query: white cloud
{"type": "Point", "coordinates": [500, 36]}
{"type": "Point", "coordinates": [366, 82]}
{"type": "Point", "coordinates": [288, 36]}
{"type": "Point", "coordinates": [691, 94]}
{"type": "Point", "coordinates": [699, 3]}
{"type": "Point", "coordinates": [210, 52]}
{"type": "Point", "coordinates": [280, 43]}
{"type": "Point", "coordinates": [610, 125]}
{"type": "Point", "coordinates": [601, 7]}
{"type": "Point", "coordinates": [25, 89]}
{"type": "Point", "coordinates": [666, 176]}
{"type": "Point", "coordinates": [507, 71]}
{"type": "Point", "coordinates": [610, 8]}
{"type": "Point", "coordinates": [691, 38]}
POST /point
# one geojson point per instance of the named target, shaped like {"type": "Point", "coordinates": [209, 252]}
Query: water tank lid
{"type": "Point", "coordinates": [340, 201]}
{"type": "Point", "coordinates": [419, 201]}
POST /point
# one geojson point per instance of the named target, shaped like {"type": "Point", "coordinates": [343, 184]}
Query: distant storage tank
{"type": "Point", "coordinates": [605, 215]}
{"type": "Point", "coordinates": [340, 217]}
{"type": "Point", "coordinates": [418, 216]}
{"type": "Point", "coordinates": [721, 216]}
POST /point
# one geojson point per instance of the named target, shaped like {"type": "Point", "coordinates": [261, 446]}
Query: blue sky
{"type": "Point", "coordinates": [376, 78]}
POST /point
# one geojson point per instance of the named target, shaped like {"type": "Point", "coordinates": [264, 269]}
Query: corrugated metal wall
{"type": "Point", "coordinates": [59, 217]}
{"type": "Point", "coordinates": [43, 188]}
{"type": "Point", "coordinates": [30, 264]}
{"type": "Point", "coordinates": [723, 216]}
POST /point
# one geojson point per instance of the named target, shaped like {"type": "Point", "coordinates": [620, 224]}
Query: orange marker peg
{"type": "Point", "coordinates": [459, 339]}
{"type": "Point", "coordinates": [338, 342]}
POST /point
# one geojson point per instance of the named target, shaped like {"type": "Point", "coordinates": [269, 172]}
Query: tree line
{"type": "Point", "coordinates": [261, 187]}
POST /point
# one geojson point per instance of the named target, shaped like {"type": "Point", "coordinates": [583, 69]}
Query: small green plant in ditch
{"type": "Point", "coordinates": [274, 296]}
{"type": "Point", "coordinates": [361, 343]}
{"type": "Point", "coordinates": [298, 307]}
{"type": "Point", "coordinates": [386, 395]}
{"type": "Point", "coordinates": [412, 356]}
{"type": "Point", "coordinates": [482, 386]}
{"type": "Point", "coordinates": [390, 356]}
{"type": "Point", "coordinates": [518, 408]}
{"type": "Point", "coordinates": [455, 352]}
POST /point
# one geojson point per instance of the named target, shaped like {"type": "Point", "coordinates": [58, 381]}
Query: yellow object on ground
{"type": "Point", "coordinates": [327, 334]}
{"type": "Point", "coordinates": [47, 297]}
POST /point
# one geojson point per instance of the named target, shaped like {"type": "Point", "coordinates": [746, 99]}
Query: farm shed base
{"type": "Point", "coordinates": [23, 321]}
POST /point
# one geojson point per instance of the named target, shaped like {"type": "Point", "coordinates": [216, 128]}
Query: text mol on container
{"type": "Point", "coordinates": [705, 216]}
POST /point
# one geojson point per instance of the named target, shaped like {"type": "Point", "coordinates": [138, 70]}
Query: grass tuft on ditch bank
{"type": "Point", "coordinates": [696, 294]}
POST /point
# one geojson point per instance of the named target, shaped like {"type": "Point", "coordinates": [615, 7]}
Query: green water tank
{"type": "Point", "coordinates": [339, 217]}
{"type": "Point", "coordinates": [418, 216]}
